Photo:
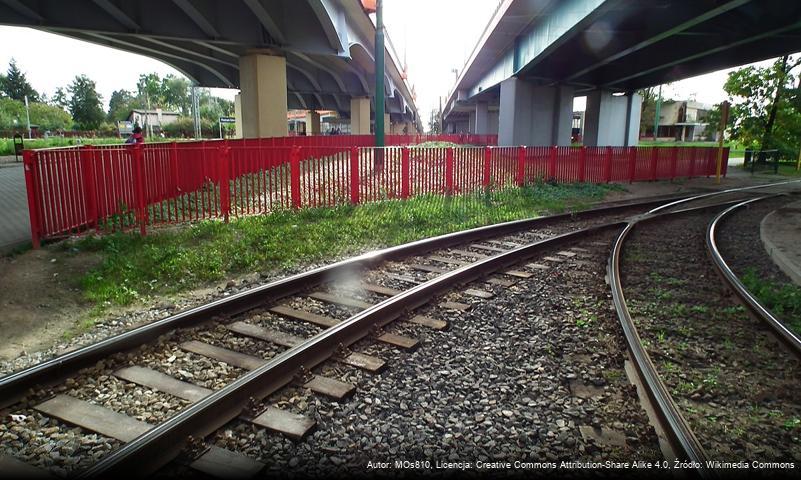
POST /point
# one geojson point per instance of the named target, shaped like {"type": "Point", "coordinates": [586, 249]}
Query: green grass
{"type": "Point", "coordinates": [736, 150]}
{"type": "Point", "coordinates": [783, 300]}
{"type": "Point", "coordinates": [7, 144]}
{"type": "Point", "coordinates": [170, 261]}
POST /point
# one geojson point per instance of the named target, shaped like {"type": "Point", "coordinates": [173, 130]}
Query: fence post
{"type": "Point", "coordinates": [449, 171]}
{"type": "Point", "coordinates": [583, 164]}
{"type": "Point", "coordinates": [139, 187]}
{"type": "Point", "coordinates": [552, 163]}
{"type": "Point", "coordinates": [174, 173]}
{"type": "Point", "coordinates": [89, 196]}
{"type": "Point", "coordinates": [487, 166]}
{"type": "Point", "coordinates": [654, 158]}
{"type": "Point", "coordinates": [674, 160]}
{"type": "Point", "coordinates": [354, 175]}
{"type": "Point", "coordinates": [608, 164]}
{"type": "Point", "coordinates": [633, 163]}
{"type": "Point", "coordinates": [520, 178]}
{"type": "Point", "coordinates": [405, 180]}
{"type": "Point", "coordinates": [294, 176]}
{"type": "Point", "coordinates": [224, 155]}
{"type": "Point", "coordinates": [29, 159]}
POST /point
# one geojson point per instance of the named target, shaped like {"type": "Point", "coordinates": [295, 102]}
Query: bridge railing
{"type": "Point", "coordinates": [127, 187]}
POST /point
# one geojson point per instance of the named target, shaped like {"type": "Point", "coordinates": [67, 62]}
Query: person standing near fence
{"type": "Point", "coordinates": [136, 136]}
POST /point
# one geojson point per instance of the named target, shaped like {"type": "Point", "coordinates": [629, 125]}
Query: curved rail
{"type": "Point", "coordinates": [14, 386]}
{"type": "Point", "coordinates": [762, 313]}
{"type": "Point", "coordinates": [164, 442]}
{"type": "Point", "coordinates": [680, 435]}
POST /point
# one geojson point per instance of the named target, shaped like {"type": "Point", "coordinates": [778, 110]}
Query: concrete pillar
{"type": "Point", "coordinates": [312, 123]}
{"type": "Point", "coordinates": [262, 80]}
{"type": "Point", "coordinates": [612, 120]}
{"type": "Point", "coordinates": [534, 115]}
{"type": "Point", "coordinates": [238, 116]}
{"type": "Point", "coordinates": [387, 124]}
{"type": "Point", "coordinates": [471, 122]}
{"type": "Point", "coordinates": [360, 116]}
{"type": "Point", "coordinates": [482, 118]}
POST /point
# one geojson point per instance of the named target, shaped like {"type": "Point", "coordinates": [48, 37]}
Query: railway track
{"type": "Point", "coordinates": [315, 332]}
{"type": "Point", "coordinates": [688, 359]}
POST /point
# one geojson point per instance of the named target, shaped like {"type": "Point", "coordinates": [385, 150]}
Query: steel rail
{"type": "Point", "coordinates": [710, 194]}
{"type": "Point", "coordinates": [757, 309]}
{"type": "Point", "coordinates": [158, 446]}
{"type": "Point", "coordinates": [681, 437]}
{"type": "Point", "coordinates": [14, 386]}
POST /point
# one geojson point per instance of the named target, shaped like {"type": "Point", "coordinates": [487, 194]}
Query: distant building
{"type": "Point", "coordinates": [681, 120]}
{"type": "Point", "coordinates": [155, 118]}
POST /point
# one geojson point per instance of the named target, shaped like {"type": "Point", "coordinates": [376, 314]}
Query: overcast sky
{"type": "Point", "coordinates": [437, 36]}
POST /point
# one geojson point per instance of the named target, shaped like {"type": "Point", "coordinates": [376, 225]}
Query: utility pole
{"type": "Point", "coordinates": [196, 112]}
{"type": "Point", "coordinates": [28, 115]}
{"type": "Point", "coordinates": [724, 119]}
{"type": "Point", "coordinates": [656, 114]}
{"type": "Point", "coordinates": [379, 83]}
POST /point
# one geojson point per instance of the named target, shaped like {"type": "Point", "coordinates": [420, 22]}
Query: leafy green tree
{"type": "Point", "coordinates": [149, 88]}
{"type": "Point", "coordinates": [121, 103]}
{"type": "Point", "coordinates": [765, 103]}
{"type": "Point", "coordinates": [648, 113]}
{"type": "Point", "coordinates": [16, 86]}
{"type": "Point", "coordinates": [175, 91]}
{"type": "Point", "coordinates": [85, 103]}
{"type": "Point", "coordinates": [49, 117]}
{"type": "Point", "coordinates": [12, 114]}
{"type": "Point", "coordinates": [60, 99]}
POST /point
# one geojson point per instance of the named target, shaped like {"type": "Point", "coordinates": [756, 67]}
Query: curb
{"type": "Point", "coordinates": [779, 258]}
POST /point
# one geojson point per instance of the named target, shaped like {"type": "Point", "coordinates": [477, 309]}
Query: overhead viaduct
{"type": "Point", "coordinates": [535, 56]}
{"type": "Point", "coordinates": [282, 54]}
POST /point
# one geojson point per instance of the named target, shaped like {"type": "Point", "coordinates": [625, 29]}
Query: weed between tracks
{"type": "Point", "coordinates": [170, 261]}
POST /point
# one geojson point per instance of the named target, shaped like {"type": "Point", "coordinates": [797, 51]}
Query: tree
{"type": "Point", "coordinates": [121, 104]}
{"type": "Point", "coordinates": [149, 88]}
{"type": "Point", "coordinates": [433, 122]}
{"type": "Point", "coordinates": [49, 117]}
{"type": "Point", "coordinates": [60, 99]}
{"type": "Point", "coordinates": [648, 112]}
{"type": "Point", "coordinates": [175, 92]}
{"type": "Point", "coordinates": [16, 86]}
{"type": "Point", "coordinates": [85, 103]}
{"type": "Point", "coordinates": [765, 103]}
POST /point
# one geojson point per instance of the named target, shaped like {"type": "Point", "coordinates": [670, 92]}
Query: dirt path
{"type": "Point", "coordinates": [40, 298]}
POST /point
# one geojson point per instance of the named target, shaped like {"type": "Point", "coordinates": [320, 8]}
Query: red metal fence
{"type": "Point", "coordinates": [122, 187]}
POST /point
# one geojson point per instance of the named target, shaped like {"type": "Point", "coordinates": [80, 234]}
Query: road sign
{"type": "Point", "coordinates": [227, 120]}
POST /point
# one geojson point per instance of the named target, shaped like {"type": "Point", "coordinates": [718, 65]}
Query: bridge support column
{"type": "Point", "coordinates": [238, 115]}
{"type": "Point", "coordinates": [312, 123]}
{"type": "Point", "coordinates": [534, 115]}
{"type": "Point", "coordinates": [263, 97]}
{"type": "Point", "coordinates": [482, 118]}
{"type": "Point", "coordinates": [471, 122]}
{"type": "Point", "coordinates": [388, 124]}
{"type": "Point", "coordinates": [612, 120]}
{"type": "Point", "coordinates": [360, 116]}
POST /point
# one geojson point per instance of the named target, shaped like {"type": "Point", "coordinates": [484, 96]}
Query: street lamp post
{"type": "Point", "coordinates": [379, 83]}
{"type": "Point", "coordinates": [28, 115]}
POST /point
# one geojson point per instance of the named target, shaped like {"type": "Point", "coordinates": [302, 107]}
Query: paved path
{"type": "Point", "coordinates": [780, 231]}
{"type": "Point", "coordinates": [15, 226]}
